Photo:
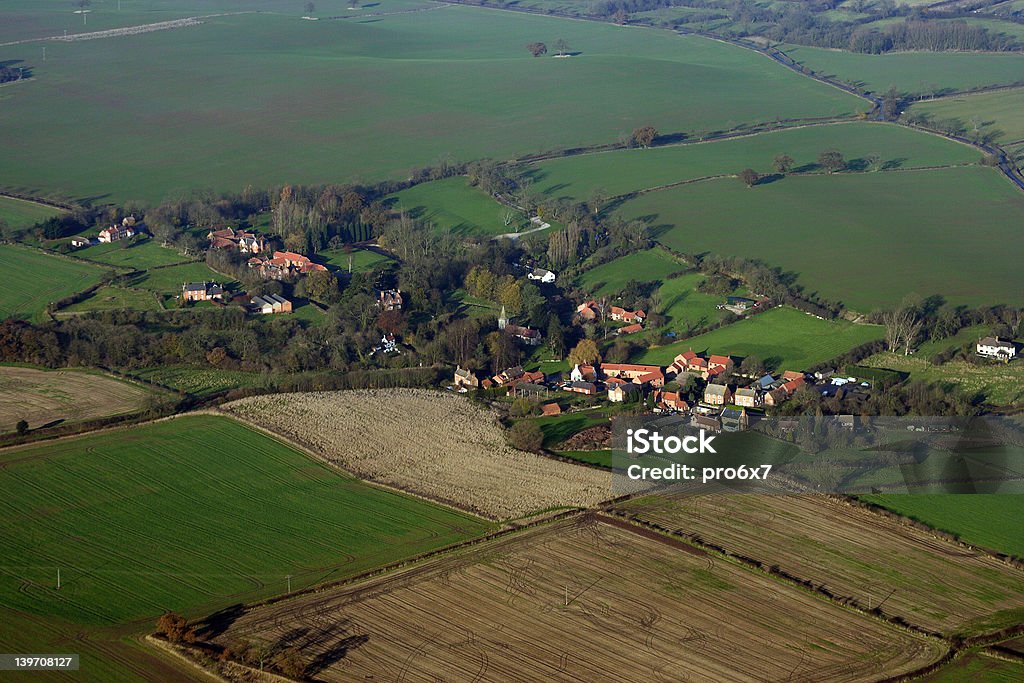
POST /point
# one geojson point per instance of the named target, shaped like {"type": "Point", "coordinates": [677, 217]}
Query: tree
{"type": "Point", "coordinates": [22, 427]}
{"type": "Point", "coordinates": [561, 47]}
{"type": "Point", "coordinates": [537, 49]}
{"type": "Point", "coordinates": [322, 286]}
{"type": "Point", "coordinates": [175, 628]}
{"type": "Point", "coordinates": [526, 435]}
{"type": "Point", "coordinates": [832, 160]}
{"type": "Point", "coordinates": [555, 336]}
{"type": "Point", "coordinates": [644, 136]}
{"type": "Point", "coordinates": [749, 177]}
{"type": "Point", "coordinates": [290, 661]}
{"type": "Point", "coordinates": [310, 8]}
{"type": "Point", "coordinates": [584, 353]}
{"type": "Point", "coordinates": [783, 164]}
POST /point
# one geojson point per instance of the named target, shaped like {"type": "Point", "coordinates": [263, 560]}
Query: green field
{"type": "Point", "coordinates": [998, 383]}
{"type": "Point", "coordinates": [168, 281]}
{"type": "Point", "coordinates": [193, 515]}
{"type": "Point", "coordinates": [363, 260]}
{"type": "Point", "coordinates": [202, 381]}
{"type": "Point", "coordinates": [140, 256]}
{"type": "Point", "coordinates": [651, 265]}
{"type": "Point", "coordinates": [913, 72]}
{"type": "Point", "coordinates": [624, 171]}
{"type": "Point", "coordinates": [687, 308]}
{"type": "Point", "coordinates": [454, 205]}
{"type": "Point", "coordinates": [981, 519]}
{"type": "Point", "coordinates": [998, 115]}
{"type": "Point", "coordinates": [866, 239]}
{"type": "Point", "coordinates": [978, 668]}
{"type": "Point", "coordinates": [20, 214]}
{"type": "Point", "coordinates": [33, 279]}
{"type": "Point", "coordinates": [392, 93]}
{"type": "Point", "coordinates": [111, 299]}
{"type": "Point", "coordinates": [783, 338]}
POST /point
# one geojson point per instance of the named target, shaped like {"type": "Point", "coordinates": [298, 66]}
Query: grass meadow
{"type": "Point", "coordinates": [624, 171]}
{"type": "Point", "coordinates": [392, 93]}
{"type": "Point", "coordinates": [650, 265]}
{"type": "Point", "coordinates": [866, 239]}
{"type": "Point", "coordinates": [193, 514]}
{"type": "Point", "coordinates": [33, 279]}
{"type": "Point", "coordinates": [168, 281]}
{"type": "Point", "coordinates": [976, 518]}
{"type": "Point", "coordinates": [998, 114]}
{"type": "Point", "coordinates": [454, 205]}
{"type": "Point", "coordinates": [783, 338]}
{"type": "Point", "coordinates": [111, 299]}
{"type": "Point", "coordinates": [363, 260]}
{"type": "Point", "coordinates": [998, 383]}
{"type": "Point", "coordinates": [913, 72]}
{"type": "Point", "coordinates": [142, 255]}
{"type": "Point", "coordinates": [20, 214]}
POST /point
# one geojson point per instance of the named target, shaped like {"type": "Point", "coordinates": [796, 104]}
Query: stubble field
{"type": "Point", "coordinates": [856, 554]}
{"type": "Point", "coordinates": [435, 444]}
{"type": "Point", "coordinates": [45, 396]}
{"type": "Point", "coordinates": [534, 606]}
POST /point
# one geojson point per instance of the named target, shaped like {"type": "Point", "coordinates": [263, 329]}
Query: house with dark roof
{"type": "Point", "coordinates": [624, 393]}
{"type": "Point", "coordinates": [201, 291]}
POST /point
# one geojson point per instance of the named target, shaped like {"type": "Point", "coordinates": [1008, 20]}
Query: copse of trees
{"type": "Point", "coordinates": [537, 49]}
{"type": "Point", "coordinates": [644, 136]}
{"type": "Point", "coordinates": [749, 177]}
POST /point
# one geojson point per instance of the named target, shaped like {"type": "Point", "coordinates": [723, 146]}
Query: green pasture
{"type": "Point", "coordinates": [110, 298]}
{"type": "Point", "coordinates": [621, 172]}
{"type": "Point", "coordinates": [193, 515]}
{"type": "Point", "coordinates": [455, 206]}
{"type": "Point", "coordinates": [997, 115]}
{"type": "Point", "coordinates": [202, 381]}
{"type": "Point", "coordinates": [363, 260]}
{"type": "Point", "coordinates": [651, 265]}
{"type": "Point", "coordinates": [392, 93]}
{"type": "Point", "coordinates": [33, 279]}
{"type": "Point", "coordinates": [168, 281]}
{"type": "Point", "coordinates": [977, 667]}
{"type": "Point", "coordinates": [866, 239]}
{"type": "Point", "coordinates": [783, 338]}
{"type": "Point", "coordinates": [982, 519]}
{"type": "Point", "coordinates": [141, 255]}
{"type": "Point", "coordinates": [998, 383]}
{"type": "Point", "coordinates": [20, 214]}
{"type": "Point", "coordinates": [928, 73]}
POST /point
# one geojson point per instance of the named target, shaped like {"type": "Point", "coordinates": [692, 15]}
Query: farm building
{"type": "Point", "coordinates": [585, 388]}
{"type": "Point", "coordinates": [630, 329]}
{"type": "Point", "coordinates": [541, 275]}
{"type": "Point", "coordinates": [527, 335]}
{"type": "Point", "coordinates": [269, 304]}
{"type": "Point", "coordinates": [587, 311]}
{"type": "Point", "coordinates": [78, 242]}
{"type": "Point", "coordinates": [654, 379]}
{"type": "Point", "coordinates": [993, 347]}
{"type": "Point", "coordinates": [708, 423]}
{"type": "Point", "coordinates": [670, 400]}
{"type": "Point", "coordinates": [246, 242]}
{"type": "Point", "coordinates": [550, 409]}
{"type": "Point", "coordinates": [622, 315]}
{"type": "Point", "coordinates": [583, 373]}
{"type": "Point", "coordinates": [627, 370]}
{"type": "Point", "coordinates": [201, 291]}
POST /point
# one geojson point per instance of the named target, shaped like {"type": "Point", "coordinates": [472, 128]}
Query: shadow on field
{"type": "Point", "coordinates": [330, 639]}
{"type": "Point", "coordinates": [219, 622]}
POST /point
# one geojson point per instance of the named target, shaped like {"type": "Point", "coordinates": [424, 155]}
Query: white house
{"type": "Point", "coordinates": [542, 275]}
{"type": "Point", "coordinates": [993, 347]}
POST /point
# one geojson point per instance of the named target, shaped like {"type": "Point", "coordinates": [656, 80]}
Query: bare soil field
{"type": "Point", "coordinates": [434, 444]}
{"type": "Point", "coordinates": [43, 397]}
{"type": "Point", "coordinates": [869, 559]}
{"type": "Point", "coordinates": [580, 600]}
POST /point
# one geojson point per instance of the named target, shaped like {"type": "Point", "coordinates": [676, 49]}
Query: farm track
{"type": "Point", "coordinates": [127, 30]}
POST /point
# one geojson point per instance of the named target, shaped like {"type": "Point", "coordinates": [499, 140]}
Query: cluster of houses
{"type": "Point", "coordinates": [589, 311]}
{"type": "Point", "coordinates": [126, 229]}
{"type": "Point", "coordinates": [243, 240]}
{"type": "Point", "coordinates": [721, 406]}
{"type": "Point", "coordinates": [283, 265]}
